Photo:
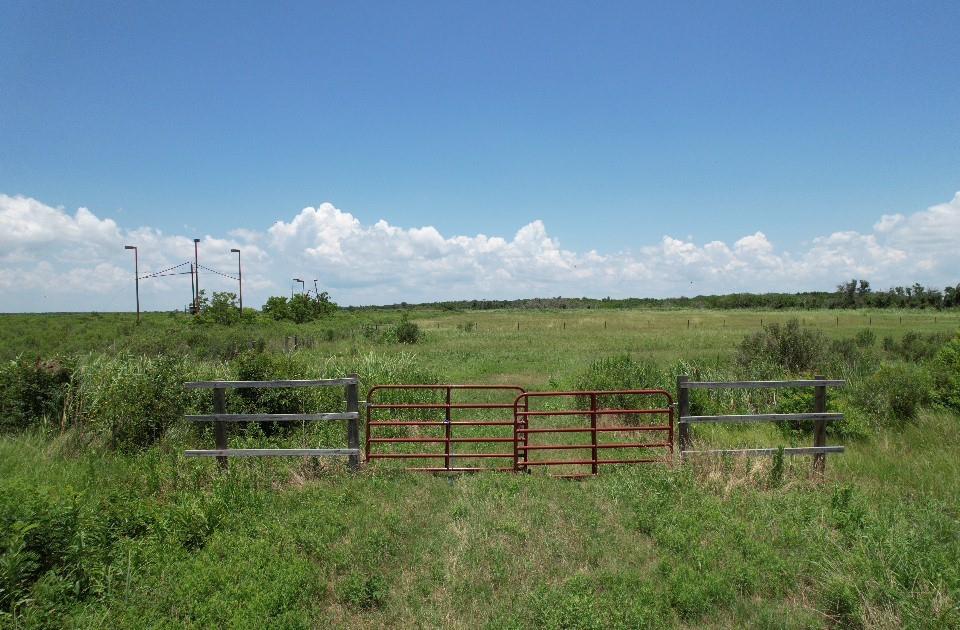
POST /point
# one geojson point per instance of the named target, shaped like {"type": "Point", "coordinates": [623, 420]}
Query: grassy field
{"type": "Point", "coordinates": [95, 535]}
{"type": "Point", "coordinates": [548, 344]}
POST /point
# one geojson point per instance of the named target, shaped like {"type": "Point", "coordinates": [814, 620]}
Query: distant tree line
{"type": "Point", "coordinates": [853, 294]}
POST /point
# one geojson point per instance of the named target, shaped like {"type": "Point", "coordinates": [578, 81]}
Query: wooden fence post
{"type": "Point", "coordinates": [819, 426]}
{"type": "Point", "coordinates": [683, 409]}
{"type": "Point", "coordinates": [220, 427]}
{"type": "Point", "coordinates": [353, 425]}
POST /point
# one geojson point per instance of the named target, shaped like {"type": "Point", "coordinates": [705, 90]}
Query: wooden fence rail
{"type": "Point", "coordinates": [819, 415]}
{"type": "Point", "coordinates": [221, 419]}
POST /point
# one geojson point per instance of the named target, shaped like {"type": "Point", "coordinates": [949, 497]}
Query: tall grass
{"type": "Point", "coordinates": [103, 522]}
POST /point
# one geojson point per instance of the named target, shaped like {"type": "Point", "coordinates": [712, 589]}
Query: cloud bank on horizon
{"type": "Point", "coordinates": [52, 260]}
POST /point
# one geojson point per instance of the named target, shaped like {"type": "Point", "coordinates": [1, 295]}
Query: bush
{"type": "Point", "coordinates": [407, 332]}
{"type": "Point", "coordinates": [893, 394]}
{"type": "Point", "coordinates": [276, 307]}
{"type": "Point", "coordinates": [946, 374]}
{"type": "Point", "coordinates": [621, 372]}
{"type": "Point", "coordinates": [790, 346]}
{"type": "Point", "coordinates": [848, 356]}
{"type": "Point", "coordinates": [914, 346]}
{"type": "Point", "coordinates": [865, 338]}
{"type": "Point", "coordinates": [222, 309]}
{"type": "Point", "coordinates": [32, 391]}
{"type": "Point", "coordinates": [300, 308]}
{"type": "Point", "coordinates": [131, 401]}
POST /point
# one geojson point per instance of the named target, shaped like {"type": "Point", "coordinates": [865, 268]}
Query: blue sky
{"type": "Point", "coordinates": [616, 125]}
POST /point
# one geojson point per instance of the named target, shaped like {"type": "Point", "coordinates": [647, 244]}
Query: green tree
{"type": "Point", "coordinates": [221, 309]}
{"type": "Point", "coordinates": [277, 307]}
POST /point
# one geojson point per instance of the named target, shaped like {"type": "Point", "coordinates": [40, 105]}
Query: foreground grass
{"type": "Point", "coordinates": [155, 540]}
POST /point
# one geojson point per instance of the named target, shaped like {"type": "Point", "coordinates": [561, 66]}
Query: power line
{"type": "Point", "coordinates": [162, 271]}
{"type": "Point", "coordinates": [219, 273]}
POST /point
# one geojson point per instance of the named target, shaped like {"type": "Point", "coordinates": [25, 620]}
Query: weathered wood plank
{"type": "Point", "coordinates": [761, 417]}
{"type": "Point", "coordinates": [353, 426]}
{"type": "Point", "coordinates": [272, 417]}
{"type": "Point", "coordinates": [759, 384]}
{"type": "Point", "coordinates": [326, 382]}
{"type": "Point", "coordinates": [273, 452]}
{"type": "Point", "coordinates": [820, 427]}
{"type": "Point", "coordinates": [683, 409]}
{"type": "Point", "coordinates": [219, 428]}
{"type": "Point", "coordinates": [803, 450]}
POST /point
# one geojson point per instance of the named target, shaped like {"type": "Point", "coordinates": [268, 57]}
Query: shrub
{"type": "Point", "coordinates": [31, 391]}
{"type": "Point", "coordinates": [276, 307]}
{"type": "Point", "coordinates": [848, 356]}
{"type": "Point", "coordinates": [131, 401]}
{"type": "Point", "coordinates": [621, 372]}
{"type": "Point", "coordinates": [893, 394]}
{"type": "Point", "coordinates": [407, 332]}
{"type": "Point", "coordinates": [222, 309]}
{"type": "Point", "coordinates": [300, 308]}
{"type": "Point", "coordinates": [946, 374]}
{"type": "Point", "coordinates": [914, 346]}
{"type": "Point", "coordinates": [788, 346]}
{"type": "Point", "coordinates": [865, 338]}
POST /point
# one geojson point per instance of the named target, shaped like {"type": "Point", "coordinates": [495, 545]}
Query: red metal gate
{"type": "Point", "coordinates": [623, 420]}
{"type": "Point", "coordinates": [406, 418]}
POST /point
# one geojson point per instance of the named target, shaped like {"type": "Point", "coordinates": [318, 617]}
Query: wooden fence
{"type": "Point", "coordinates": [819, 415]}
{"type": "Point", "coordinates": [221, 418]}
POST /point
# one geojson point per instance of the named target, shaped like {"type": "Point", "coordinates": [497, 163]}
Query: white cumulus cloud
{"type": "Point", "coordinates": [52, 259]}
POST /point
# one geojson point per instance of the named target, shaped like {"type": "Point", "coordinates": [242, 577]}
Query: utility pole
{"type": "Point", "coordinates": [136, 277]}
{"type": "Point", "coordinates": [196, 266]}
{"type": "Point", "coordinates": [316, 291]}
{"type": "Point", "coordinates": [301, 287]}
{"type": "Point", "coordinates": [239, 277]}
{"type": "Point", "coordinates": [193, 290]}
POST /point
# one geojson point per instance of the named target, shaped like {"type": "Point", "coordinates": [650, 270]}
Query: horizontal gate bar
{"type": "Point", "coordinates": [272, 417]}
{"type": "Point", "coordinates": [439, 406]}
{"type": "Point", "coordinates": [436, 455]}
{"type": "Point", "coordinates": [589, 412]}
{"type": "Point", "coordinates": [438, 440]}
{"type": "Point", "coordinates": [273, 452]}
{"type": "Point", "coordinates": [460, 469]}
{"type": "Point", "coordinates": [453, 387]}
{"type": "Point", "coordinates": [761, 417]}
{"type": "Point", "coordinates": [598, 392]}
{"type": "Point", "coordinates": [803, 450]}
{"type": "Point", "coordinates": [760, 384]}
{"type": "Point", "coordinates": [545, 447]}
{"type": "Point", "coordinates": [324, 382]}
{"type": "Point", "coordinates": [438, 423]}
{"type": "Point", "coordinates": [560, 462]}
{"type": "Point", "coordinates": [598, 429]}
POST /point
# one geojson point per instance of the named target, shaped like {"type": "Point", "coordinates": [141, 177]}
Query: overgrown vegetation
{"type": "Point", "coordinates": [103, 522]}
{"type": "Point", "coordinates": [300, 308]}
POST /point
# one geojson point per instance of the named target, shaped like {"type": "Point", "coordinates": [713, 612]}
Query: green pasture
{"type": "Point", "coordinates": [99, 528]}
